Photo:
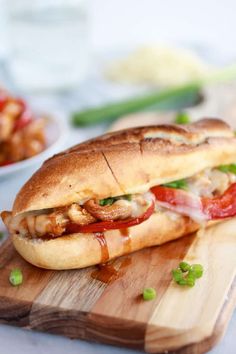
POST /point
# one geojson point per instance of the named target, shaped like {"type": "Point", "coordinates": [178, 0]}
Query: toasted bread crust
{"type": "Point", "coordinates": [127, 161]}
{"type": "Point", "coordinates": [83, 250]}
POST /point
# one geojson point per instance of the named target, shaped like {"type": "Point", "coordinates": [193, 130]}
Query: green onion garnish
{"type": "Point", "coordinates": [228, 168]}
{"type": "Point", "coordinates": [107, 201]}
{"type": "Point", "coordinates": [190, 281]}
{"type": "Point", "coordinates": [149, 294]}
{"type": "Point", "coordinates": [186, 274]}
{"type": "Point", "coordinates": [184, 266]}
{"type": "Point", "coordinates": [111, 200]}
{"type": "Point", "coordinates": [177, 275]}
{"type": "Point", "coordinates": [1, 235]}
{"type": "Point", "coordinates": [197, 270]}
{"type": "Point", "coordinates": [128, 197]}
{"type": "Point", "coordinates": [180, 184]}
{"type": "Point", "coordinates": [182, 282]}
{"type": "Point", "coordinates": [16, 277]}
{"type": "Point", "coordinates": [182, 118]}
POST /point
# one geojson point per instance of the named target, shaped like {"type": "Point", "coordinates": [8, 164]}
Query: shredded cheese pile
{"type": "Point", "coordinates": [158, 65]}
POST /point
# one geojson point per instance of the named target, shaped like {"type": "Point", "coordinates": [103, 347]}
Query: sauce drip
{"type": "Point", "coordinates": [103, 243]}
{"type": "Point", "coordinates": [126, 240]}
{"type": "Point", "coordinates": [125, 262]}
{"type": "Point", "coordinates": [107, 273]}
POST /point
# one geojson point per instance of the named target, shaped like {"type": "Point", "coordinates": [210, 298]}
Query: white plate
{"type": "Point", "coordinates": [56, 134]}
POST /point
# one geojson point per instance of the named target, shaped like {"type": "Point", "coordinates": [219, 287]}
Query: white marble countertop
{"type": "Point", "coordinates": [19, 341]}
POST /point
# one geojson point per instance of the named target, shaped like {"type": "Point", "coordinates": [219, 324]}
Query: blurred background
{"type": "Point", "coordinates": [98, 65]}
{"type": "Point", "coordinates": [59, 45]}
{"type": "Point", "coordinates": [72, 58]}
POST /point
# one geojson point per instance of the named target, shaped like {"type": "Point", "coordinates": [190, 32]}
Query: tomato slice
{"type": "Point", "coordinates": [102, 226]}
{"type": "Point", "coordinates": [221, 207]}
{"type": "Point", "coordinates": [176, 197]}
{"type": "Point", "coordinates": [188, 204]}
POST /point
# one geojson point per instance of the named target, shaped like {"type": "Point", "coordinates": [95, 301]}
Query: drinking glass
{"type": "Point", "coordinates": [47, 43]}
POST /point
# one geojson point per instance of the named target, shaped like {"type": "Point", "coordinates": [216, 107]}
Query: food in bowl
{"type": "Point", "coordinates": [22, 134]}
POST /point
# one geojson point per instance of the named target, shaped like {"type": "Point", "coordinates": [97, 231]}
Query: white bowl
{"type": "Point", "coordinates": [56, 134]}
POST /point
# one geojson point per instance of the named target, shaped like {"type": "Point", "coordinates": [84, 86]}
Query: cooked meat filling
{"type": "Point", "coordinates": [120, 209]}
{"type": "Point", "coordinates": [53, 222]}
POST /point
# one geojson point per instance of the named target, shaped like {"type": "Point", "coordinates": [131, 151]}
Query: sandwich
{"type": "Point", "coordinates": [124, 191]}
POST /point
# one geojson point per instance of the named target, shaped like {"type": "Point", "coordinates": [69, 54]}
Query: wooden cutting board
{"type": "Point", "coordinates": [180, 320]}
{"type": "Point", "coordinates": [77, 305]}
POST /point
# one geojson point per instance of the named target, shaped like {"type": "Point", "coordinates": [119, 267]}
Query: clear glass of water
{"type": "Point", "coordinates": [47, 43]}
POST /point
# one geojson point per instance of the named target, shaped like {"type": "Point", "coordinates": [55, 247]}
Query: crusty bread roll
{"type": "Point", "coordinates": [128, 161]}
{"type": "Point", "coordinates": [125, 162]}
{"type": "Point", "coordinates": [83, 250]}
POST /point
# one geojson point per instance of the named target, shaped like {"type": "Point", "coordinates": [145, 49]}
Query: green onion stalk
{"type": "Point", "coordinates": [174, 98]}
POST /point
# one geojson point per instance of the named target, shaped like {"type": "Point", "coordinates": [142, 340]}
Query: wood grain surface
{"type": "Point", "coordinates": [180, 320]}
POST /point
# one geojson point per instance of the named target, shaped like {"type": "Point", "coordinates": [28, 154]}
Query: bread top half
{"type": "Point", "coordinates": [126, 162]}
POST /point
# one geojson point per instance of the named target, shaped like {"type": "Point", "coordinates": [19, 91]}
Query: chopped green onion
{"type": "Point", "coordinates": [149, 294]}
{"type": "Point", "coordinates": [111, 200]}
{"type": "Point", "coordinates": [191, 274]}
{"type": "Point", "coordinates": [190, 281]}
{"type": "Point", "coordinates": [107, 201]}
{"type": "Point", "coordinates": [182, 118]}
{"type": "Point", "coordinates": [228, 168]}
{"type": "Point", "coordinates": [182, 282]}
{"type": "Point", "coordinates": [180, 184]}
{"type": "Point", "coordinates": [197, 269]}
{"type": "Point", "coordinates": [187, 274]}
{"type": "Point", "coordinates": [177, 275]}
{"type": "Point", "coordinates": [128, 197]}
{"type": "Point", "coordinates": [184, 266]}
{"type": "Point", "coordinates": [16, 277]}
{"type": "Point", "coordinates": [1, 235]}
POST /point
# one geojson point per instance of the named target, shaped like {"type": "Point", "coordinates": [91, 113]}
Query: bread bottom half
{"type": "Point", "coordinates": [82, 250]}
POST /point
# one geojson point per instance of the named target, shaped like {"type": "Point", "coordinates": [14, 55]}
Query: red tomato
{"type": "Point", "coordinates": [221, 207]}
{"type": "Point", "coordinates": [102, 226]}
{"type": "Point", "coordinates": [188, 204]}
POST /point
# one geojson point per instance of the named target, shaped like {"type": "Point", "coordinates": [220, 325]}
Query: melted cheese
{"type": "Point", "coordinates": [208, 183]}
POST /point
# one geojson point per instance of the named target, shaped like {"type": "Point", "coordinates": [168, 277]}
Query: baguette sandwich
{"type": "Point", "coordinates": [125, 191]}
